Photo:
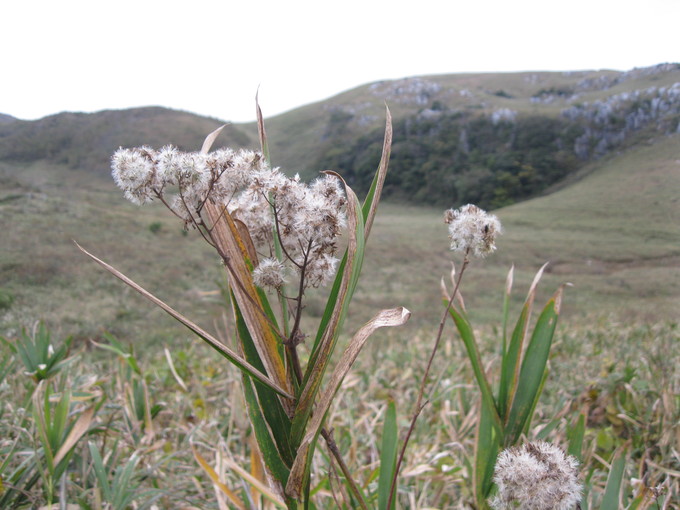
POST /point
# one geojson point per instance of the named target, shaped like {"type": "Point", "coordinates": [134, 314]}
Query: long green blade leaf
{"type": "Point", "coordinates": [511, 361]}
{"type": "Point", "coordinates": [487, 446]}
{"type": "Point", "coordinates": [533, 369]}
{"type": "Point", "coordinates": [388, 456]}
{"type": "Point", "coordinates": [575, 436]}
{"type": "Point", "coordinates": [268, 448]}
{"type": "Point", "coordinates": [270, 405]}
{"type": "Point", "coordinates": [612, 492]}
{"type": "Point", "coordinates": [468, 337]}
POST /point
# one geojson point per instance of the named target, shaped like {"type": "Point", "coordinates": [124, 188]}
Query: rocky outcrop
{"type": "Point", "coordinates": [609, 122]}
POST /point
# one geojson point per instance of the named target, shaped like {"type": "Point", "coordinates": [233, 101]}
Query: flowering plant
{"type": "Point", "coordinates": [272, 233]}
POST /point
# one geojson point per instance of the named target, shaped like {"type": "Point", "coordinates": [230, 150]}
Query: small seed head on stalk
{"type": "Point", "coordinates": [472, 230]}
{"type": "Point", "coordinates": [536, 476]}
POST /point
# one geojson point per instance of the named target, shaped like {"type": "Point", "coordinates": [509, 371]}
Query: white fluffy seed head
{"type": "Point", "coordinates": [472, 230]}
{"type": "Point", "coordinates": [536, 476]}
{"type": "Point", "coordinates": [307, 219]}
{"type": "Point", "coordinates": [133, 170]}
{"type": "Point", "coordinates": [270, 273]}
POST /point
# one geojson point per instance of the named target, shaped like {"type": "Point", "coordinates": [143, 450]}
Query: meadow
{"type": "Point", "coordinates": [612, 231]}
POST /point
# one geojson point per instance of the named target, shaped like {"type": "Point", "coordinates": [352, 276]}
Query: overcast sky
{"type": "Point", "coordinates": [209, 57]}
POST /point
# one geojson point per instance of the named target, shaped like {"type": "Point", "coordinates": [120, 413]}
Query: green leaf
{"type": "Point", "coordinates": [388, 456]}
{"type": "Point", "coordinates": [468, 337]}
{"type": "Point", "coordinates": [119, 349]}
{"type": "Point", "coordinates": [575, 436]}
{"type": "Point", "coordinates": [512, 358]}
{"type": "Point", "coordinates": [533, 370]}
{"type": "Point", "coordinates": [268, 448]}
{"type": "Point", "coordinates": [270, 405]}
{"type": "Point", "coordinates": [100, 472]}
{"type": "Point", "coordinates": [511, 362]}
{"type": "Point", "coordinates": [612, 491]}
{"type": "Point", "coordinates": [487, 446]}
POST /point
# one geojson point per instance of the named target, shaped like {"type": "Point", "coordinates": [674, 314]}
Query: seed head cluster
{"type": "Point", "coordinates": [536, 476]}
{"type": "Point", "coordinates": [305, 218]}
{"type": "Point", "coordinates": [472, 230]}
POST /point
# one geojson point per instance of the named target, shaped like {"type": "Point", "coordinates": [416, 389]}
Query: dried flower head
{"type": "Point", "coordinates": [270, 273]}
{"type": "Point", "coordinates": [472, 230]}
{"type": "Point", "coordinates": [536, 476]}
{"type": "Point", "coordinates": [306, 219]}
{"type": "Point", "coordinates": [134, 172]}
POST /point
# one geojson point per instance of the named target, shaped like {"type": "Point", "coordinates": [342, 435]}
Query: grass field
{"type": "Point", "coordinates": [612, 231]}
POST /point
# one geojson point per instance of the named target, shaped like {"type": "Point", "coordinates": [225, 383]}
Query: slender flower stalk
{"type": "Point", "coordinates": [473, 232]}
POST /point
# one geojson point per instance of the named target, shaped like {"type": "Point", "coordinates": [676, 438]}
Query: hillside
{"type": "Point", "coordinates": [612, 232]}
{"type": "Point", "coordinates": [301, 138]}
{"type": "Point", "coordinates": [298, 139]}
{"type": "Point", "coordinates": [86, 141]}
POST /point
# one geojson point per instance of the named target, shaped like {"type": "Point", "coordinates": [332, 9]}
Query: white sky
{"type": "Point", "coordinates": [209, 57]}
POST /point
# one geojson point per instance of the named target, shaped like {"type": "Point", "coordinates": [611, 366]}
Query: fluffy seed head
{"type": "Point", "coordinates": [536, 476]}
{"type": "Point", "coordinates": [133, 170]}
{"type": "Point", "coordinates": [472, 230]}
{"type": "Point", "coordinates": [270, 273]}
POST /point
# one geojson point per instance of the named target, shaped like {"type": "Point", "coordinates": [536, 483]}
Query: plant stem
{"type": "Point", "coordinates": [419, 402]}
{"type": "Point", "coordinates": [333, 448]}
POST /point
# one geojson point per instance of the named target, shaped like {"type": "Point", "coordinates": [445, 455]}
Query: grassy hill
{"type": "Point", "coordinates": [86, 141]}
{"type": "Point", "coordinates": [298, 138]}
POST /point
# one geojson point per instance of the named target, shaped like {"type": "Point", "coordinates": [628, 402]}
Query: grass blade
{"type": "Point", "coordinates": [372, 199]}
{"type": "Point", "coordinates": [257, 484]}
{"type": "Point", "coordinates": [388, 456]}
{"type": "Point", "coordinates": [100, 472]}
{"type": "Point", "coordinates": [269, 450]}
{"type": "Point", "coordinates": [269, 405]}
{"type": "Point", "coordinates": [260, 128]}
{"type": "Point", "coordinates": [77, 431]}
{"type": "Point", "coordinates": [216, 480]}
{"type": "Point", "coordinates": [210, 139]}
{"type": "Point", "coordinates": [487, 446]}
{"type": "Point", "coordinates": [575, 436]}
{"type": "Point", "coordinates": [468, 337]}
{"type": "Point", "coordinates": [612, 491]}
{"type": "Point", "coordinates": [512, 359]}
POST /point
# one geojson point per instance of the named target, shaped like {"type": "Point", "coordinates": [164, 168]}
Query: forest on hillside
{"type": "Point", "coordinates": [451, 157]}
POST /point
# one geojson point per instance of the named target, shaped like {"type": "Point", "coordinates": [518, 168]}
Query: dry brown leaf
{"type": "Point", "coordinates": [385, 318]}
{"type": "Point", "coordinates": [79, 428]}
